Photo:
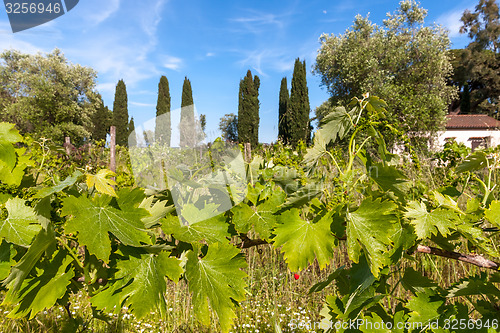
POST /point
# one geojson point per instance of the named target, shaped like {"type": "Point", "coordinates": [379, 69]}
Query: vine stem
{"type": "Point", "coordinates": [474, 259]}
{"type": "Point", "coordinates": [70, 252]}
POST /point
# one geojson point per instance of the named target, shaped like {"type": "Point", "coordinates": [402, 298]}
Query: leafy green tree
{"type": "Point", "coordinates": [132, 140]}
{"type": "Point", "coordinates": [101, 120]}
{"type": "Point", "coordinates": [284, 100]}
{"type": "Point", "coordinates": [120, 114]}
{"type": "Point", "coordinates": [477, 67]}
{"type": "Point", "coordinates": [298, 117]}
{"type": "Point", "coordinates": [228, 125]}
{"type": "Point", "coordinates": [163, 130]}
{"type": "Point", "coordinates": [187, 122]}
{"type": "Point", "coordinates": [402, 61]}
{"type": "Point", "coordinates": [48, 96]}
{"type": "Point", "coordinates": [248, 110]}
{"type": "Point", "coordinates": [203, 122]}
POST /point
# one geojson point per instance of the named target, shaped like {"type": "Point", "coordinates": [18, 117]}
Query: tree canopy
{"type": "Point", "coordinates": [283, 108]}
{"type": "Point", "coordinates": [228, 125]}
{"type": "Point", "coordinates": [187, 125]}
{"type": "Point", "coordinates": [46, 95]}
{"type": "Point", "coordinates": [298, 113]}
{"type": "Point", "coordinates": [477, 67]}
{"type": "Point", "coordinates": [248, 110]}
{"type": "Point", "coordinates": [163, 130]}
{"type": "Point", "coordinates": [403, 61]}
{"type": "Point", "coordinates": [120, 114]}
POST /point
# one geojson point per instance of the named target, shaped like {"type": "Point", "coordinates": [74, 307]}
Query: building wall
{"type": "Point", "coordinates": [464, 136]}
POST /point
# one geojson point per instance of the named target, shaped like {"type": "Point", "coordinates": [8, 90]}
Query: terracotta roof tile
{"type": "Point", "coordinates": [469, 121]}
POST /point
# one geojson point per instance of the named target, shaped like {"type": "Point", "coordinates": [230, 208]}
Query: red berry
{"type": "Point", "coordinates": [296, 276]}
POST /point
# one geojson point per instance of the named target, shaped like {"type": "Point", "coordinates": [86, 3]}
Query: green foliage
{"type": "Point", "coordinates": [101, 121]}
{"type": "Point", "coordinates": [302, 241]}
{"type": "Point", "coordinates": [132, 138]}
{"type": "Point", "coordinates": [21, 223]}
{"type": "Point", "coordinates": [297, 120]}
{"type": "Point", "coordinates": [47, 96]}
{"type": "Point", "coordinates": [248, 110]}
{"type": "Point", "coordinates": [403, 62]}
{"type": "Point", "coordinates": [187, 124]}
{"type": "Point", "coordinates": [476, 68]}
{"type": "Point", "coordinates": [93, 219]}
{"type": "Point", "coordinates": [120, 114]}
{"type": "Point", "coordinates": [228, 125]}
{"type": "Point", "coordinates": [216, 280]}
{"type": "Point", "coordinates": [283, 112]}
{"type": "Point", "coordinates": [141, 282]}
{"type": "Point", "coordinates": [163, 129]}
{"type": "Point", "coordinates": [123, 246]}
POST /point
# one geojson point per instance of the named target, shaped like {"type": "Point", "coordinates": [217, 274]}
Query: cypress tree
{"type": "Point", "coordinates": [163, 129]}
{"type": "Point", "coordinates": [120, 114]}
{"type": "Point", "coordinates": [284, 100]}
{"type": "Point", "coordinates": [187, 125]}
{"type": "Point", "coordinates": [132, 139]}
{"type": "Point", "coordinates": [248, 110]}
{"type": "Point", "coordinates": [299, 105]}
{"type": "Point", "coordinates": [101, 121]}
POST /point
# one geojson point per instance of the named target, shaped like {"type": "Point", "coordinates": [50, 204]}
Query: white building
{"type": "Point", "coordinates": [473, 130]}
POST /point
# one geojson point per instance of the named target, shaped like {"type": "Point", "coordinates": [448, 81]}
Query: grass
{"type": "Point", "coordinates": [275, 299]}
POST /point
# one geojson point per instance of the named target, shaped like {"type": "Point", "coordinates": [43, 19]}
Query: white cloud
{"type": "Point", "coordinates": [172, 63]}
{"type": "Point", "coordinates": [451, 20]}
{"type": "Point", "coordinates": [268, 59]}
{"type": "Point", "coordinates": [8, 40]}
{"type": "Point", "coordinates": [143, 104]}
{"type": "Point", "coordinates": [259, 22]}
{"type": "Point", "coordinates": [210, 54]}
{"type": "Point", "coordinates": [106, 9]}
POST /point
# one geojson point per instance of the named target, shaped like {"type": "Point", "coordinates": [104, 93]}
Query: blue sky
{"type": "Point", "coordinates": [213, 43]}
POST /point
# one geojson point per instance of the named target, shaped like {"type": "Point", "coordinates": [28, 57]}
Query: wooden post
{"type": "Point", "coordinates": [67, 144]}
{"type": "Point", "coordinates": [248, 152]}
{"type": "Point", "coordinates": [112, 149]}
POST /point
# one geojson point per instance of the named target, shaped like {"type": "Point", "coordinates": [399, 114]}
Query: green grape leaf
{"type": "Point", "coordinates": [21, 224]}
{"type": "Point", "coordinates": [157, 211]}
{"type": "Point", "coordinates": [42, 243]}
{"type": "Point", "coordinates": [337, 124]}
{"type": "Point", "coordinates": [493, 213]}
{"type": "Point", "coordinates": [429, 223]}
{"type": "Point", "coordinates": [216, 280]}
{"type": "Point", "coordinates": [42, 291]}
{"type": "Point", "coordinates": [425, 307]}
{"type": "Point", "coordinates": [302, 241]}
{"type": "Point", "coordinates": [476, 285]}
{"type": "Point", "coordinates": [262, 216]}
{"type": "Point", "coordinates": [475, 161]}
{"type": "Point", "coordinates": [370, 227]}
{"type": "Point", "coordinates": [390, 179]}
{"type": "Point", "coordinates": [318, 150]}
{"type": "Point", "coordinates": [446, 201]}
{"type": "Point", "coordinates": [92, 220]}
{"type": "Point", "coordinates": [69, 181]}
{"type": "Point", "coordinates": [101, 183]}
{"type": "Point", "coordinates": [415, 282]}
{"type": "Point", "coordinates": [8, 156]}
{"type": "Point", "coordinates": [8, 134]}
{"type": "Point", "coordinates": [6, 254]}
{"type": "Point", "coordinates": [141, 284]}
{"type": "Point", "coordinates": [212, 230]}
